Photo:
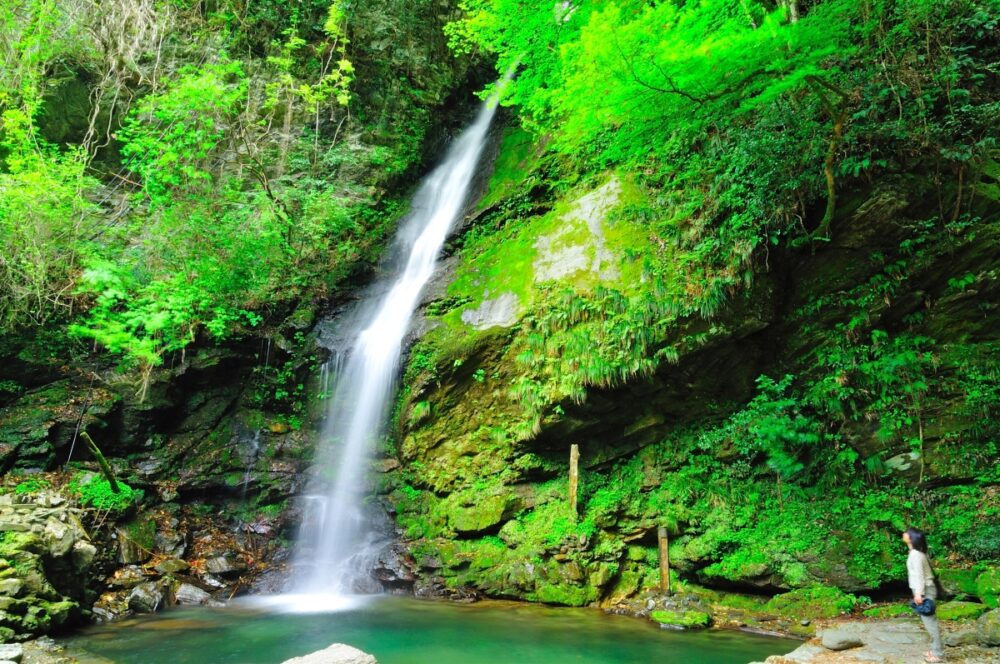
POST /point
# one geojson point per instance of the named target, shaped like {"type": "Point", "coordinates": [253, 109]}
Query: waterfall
{"type": "Point", "coordinates": [334, 548]}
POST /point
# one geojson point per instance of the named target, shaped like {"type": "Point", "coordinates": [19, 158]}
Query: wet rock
{"type": "Point", "coordinates": [212, 581]}
{"type": "Point", "coordinates": [187, 594]}
{"type": "Point", "coordinates": [145, 598]}
{"type": "Point", "coordinates": [170, 543]}
{"type": "Point", "coordinates": [127, 577]}
{"type": "Point", "coordinates": [840, 639]}
{"type": "Point", "coordinates": [395, 568]}
{"type": "Point", "coordinates": [226, 565]}
{"type": "Point", "coordinates": [338, 653]}
{"type": "Point", "coordinates": [171, 566]}
{"type": "Point", "coordinates": [385, 465]}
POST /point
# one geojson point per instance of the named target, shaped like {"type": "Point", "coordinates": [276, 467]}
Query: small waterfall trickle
{"type": "Point", "coordinates": [336, 548]}
{"type": "Point", "coordinates": [250, 455]}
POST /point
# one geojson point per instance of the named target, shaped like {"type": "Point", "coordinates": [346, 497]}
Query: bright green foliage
{"type": "Point", "coordinates": [228, 191]}
{"type": "Point", "coordinates": [171, 137]}
{"type": "Point", "coordinates": [95, 491]}
{"type": "Point", "coordinates": [743, 120]}
{"type": "Point", "coordinates": [32, 485]}
{"type": "Point", "coordinates": [46, 224]}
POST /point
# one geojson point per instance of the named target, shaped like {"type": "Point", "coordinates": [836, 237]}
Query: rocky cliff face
{"type": "Point", "coordinates": [783, 440]}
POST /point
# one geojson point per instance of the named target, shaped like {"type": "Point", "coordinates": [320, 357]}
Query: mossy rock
{"type": "Point", "coordinates": [961, 610]}
{"type": "Point", "coordinates": [685, 619]}
{"type": "Point", "coordinates": [958, 581]}
{"type": "Point", "coordinates": [486, 514]}
{"type": "Point", "coordinates": [988, 587]}
{"type": "Point", "coordinates": [889, 611]}
{"type": "Point", "coordinates": [812, 602]}
{"type": "Point", "coordinates": [564, 594]}
{"type": "Point", "coordinates": [740, 602]}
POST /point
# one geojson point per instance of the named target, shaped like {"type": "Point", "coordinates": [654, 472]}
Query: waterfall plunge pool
{"type": "Point", "coordinates": [402, 630]}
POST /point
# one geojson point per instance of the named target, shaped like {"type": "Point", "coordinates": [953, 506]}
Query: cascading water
{"type": "Point", "coordinates": [334, 548]}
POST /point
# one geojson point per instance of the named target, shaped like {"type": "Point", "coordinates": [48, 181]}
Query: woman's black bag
{"type": "Point", "coordinates": [926, 608]}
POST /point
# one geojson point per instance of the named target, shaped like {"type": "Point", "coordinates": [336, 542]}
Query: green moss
{"type": "Point", "coordinates": [742, 602]}
{"type": "Point", "coordinates": [563, 594]}
{"type": "Point", "coordinates": [988, 587]}
{"type": "Point", "coordinates": [142, 532]}
{"type": "Point", "coordinates": [961, 610]}
{"type": "Point", "coordinates": [889, 611]}
{"type": "Point", "coordinates": [516, 159]}
{"type": "Point", "coordinates": [684, 618]}
{"type": "Point", "coordinates": [95, 491]}
{"type": "Point", "coordinates": [13, 543]}
{"type": "Point", "coordinates": [958, 581]}
{"type": "Point", "coordinates": [812, 602]}
{"type": "Point", "coordinates": [483, 514]}
{"type": "Point", "coordinates": [32, 485]}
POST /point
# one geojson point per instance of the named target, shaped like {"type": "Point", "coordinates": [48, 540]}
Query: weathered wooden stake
{"type": "Point", "coordinates": [101, 461]}
{"type": "Point", "coordinates": [664, 559]}
{"type": "Point", "coordinates": [574, 475]}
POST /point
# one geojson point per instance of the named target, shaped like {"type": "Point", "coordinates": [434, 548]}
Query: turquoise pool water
{"type": "Point", "coordinates": [407, 631]}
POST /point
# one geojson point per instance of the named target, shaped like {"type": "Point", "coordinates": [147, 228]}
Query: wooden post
{"type": "Point", "coordinates": [101, 461]}
{"type": "Point", "coordinates": [574, 475]}
{"type": "Point", "coordinates": [664, 559]}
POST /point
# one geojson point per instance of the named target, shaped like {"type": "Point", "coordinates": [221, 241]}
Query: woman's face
{"type": "Point", "coordinates": [906, 538]}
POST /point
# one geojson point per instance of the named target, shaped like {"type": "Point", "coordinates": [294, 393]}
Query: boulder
{"type": "Point", "coordinates": [840, 639]}
{"type": "Point", "coordinates": [957, 581]}
{"type": "Point", "coordinates": [145, 598]}
{"type": "Point", "coordinates": [988, 628]}
{"type": "Point", "coordinates": [812, 602]}
{"type": "Point", "coordinates": [485, 515]}
{"type": "Point", "coordinates": [225, 565]}
{"type": "Point", "coordinates": [338, 653]}
{"type": "Point", "coordinates": [12, 652]}
{"type": "Point", "coordinates": [189, 594]}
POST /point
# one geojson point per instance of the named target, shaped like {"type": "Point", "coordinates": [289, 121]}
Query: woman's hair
{"type": "Point", "coordinates": [917, 539]}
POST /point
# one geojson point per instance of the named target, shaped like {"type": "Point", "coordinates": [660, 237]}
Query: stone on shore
{"type": "Point", "coordinates": [840, 639]}
{"type": "Point", "coordinates": [338, 653]}
{"type": "Point", "coordinates": [988, 628]}
{"type": "Point", "coordinates": [12, 652]}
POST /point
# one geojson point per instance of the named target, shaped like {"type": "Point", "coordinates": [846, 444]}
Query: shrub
{"type": "Point", "coordinates": [95, 491]}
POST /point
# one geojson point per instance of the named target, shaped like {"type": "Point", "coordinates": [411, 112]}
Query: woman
{"type": "Point", "coordinates": [921, 581]}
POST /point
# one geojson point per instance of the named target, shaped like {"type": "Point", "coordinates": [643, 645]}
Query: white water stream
{"type": "Point", "coordinates": [336, 547]}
